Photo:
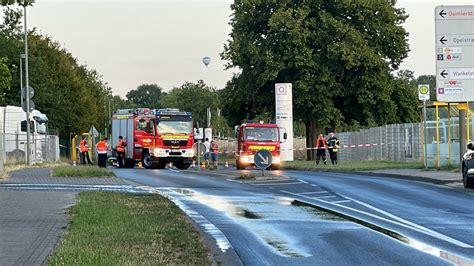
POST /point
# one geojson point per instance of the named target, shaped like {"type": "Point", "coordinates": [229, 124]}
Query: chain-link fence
{"type": "Point", "coordinates": [43, 148]}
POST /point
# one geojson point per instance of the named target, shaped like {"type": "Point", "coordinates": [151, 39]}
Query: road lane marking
{"type": "Point", "coordinates": [303, 181]}
{"type": "Point", "coordinates": [324, 197]}
{"type": "Point", "coordinates": [417, 228]}
{"type": "Point", "coordinates": [314, 185]}
{"type": "Point", "coordinates": [276, 184]}
{"type": "Point", "coordinates": [313, 192]}
{"type": "Point", "coordinates": [341, 201]}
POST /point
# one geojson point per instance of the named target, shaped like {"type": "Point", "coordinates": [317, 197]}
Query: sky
{"type": "Point", "coordinates": [163, 41]}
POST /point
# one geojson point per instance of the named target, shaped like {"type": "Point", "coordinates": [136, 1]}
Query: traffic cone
{"type": "Point", "coordinates": [226, 164]}
{"type": "Point", "coordinates": [73, 163]}
{"type": "Point", "coordinates": [193, 165]}
{"type": "Point", "coordinates": [140, 165]}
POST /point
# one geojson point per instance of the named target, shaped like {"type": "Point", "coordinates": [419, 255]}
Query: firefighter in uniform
{"type": "Point", "coordinates": [214, 152]}
{"type": "Point", "coordinates": [84, 151]}
{"type": "Point", "coordinates": [333, 145]}
{"type": "Point", "coordinates": [120, 149]}
{"type": "Point", "coordinates": [321, 147]}
{"type": "Point", "coordinates": [102, 147]}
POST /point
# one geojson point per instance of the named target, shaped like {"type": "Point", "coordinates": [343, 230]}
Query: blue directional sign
{"type": "Point", "coordinates": [263, 159]}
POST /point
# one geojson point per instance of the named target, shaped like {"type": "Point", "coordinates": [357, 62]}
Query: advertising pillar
{"type": "Point", "coordinates": [284, 118]}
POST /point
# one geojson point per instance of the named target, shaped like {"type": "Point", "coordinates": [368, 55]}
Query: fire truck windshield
{"type": "Point", "coordinates": [175, 127]}
{"type": "Point", "coordinates": [261, 133]}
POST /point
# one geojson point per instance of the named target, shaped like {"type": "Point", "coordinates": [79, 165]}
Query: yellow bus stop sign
{"type": "Point", "coordinates": [423, 92]}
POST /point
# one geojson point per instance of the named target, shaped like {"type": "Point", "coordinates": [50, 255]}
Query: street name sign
{"type": "Point", "coordinates": [263, 159]}
{"type": "Point", "coordinates": [424, 92]}
{"type": "Point", "coordinates": [454, 53]}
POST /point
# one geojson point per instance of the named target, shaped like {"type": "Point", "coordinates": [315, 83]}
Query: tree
{"type": "Point", "coordinates": [5, 80]}
{"type": "Point", "coordinates": [339, 55]}
{"type": "Point", "coordinates": [146, 95]}
{"type": "Point", "coordinates": [196, 98]}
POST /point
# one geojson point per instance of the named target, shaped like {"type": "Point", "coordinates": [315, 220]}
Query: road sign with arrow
{"type": "Point", "coordinates": [454, 53]}
{"type": "Point", "coordinates": [263, 159]}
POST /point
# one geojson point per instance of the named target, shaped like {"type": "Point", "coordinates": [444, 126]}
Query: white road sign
{"type": "Point", "coordinates": [454, 53]}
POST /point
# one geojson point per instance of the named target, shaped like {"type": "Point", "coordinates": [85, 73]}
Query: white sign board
{"type": "Point", "coordinates": [198, 133]}
{"type": "Point", "coordinates": [284, 118]}
{"type": "Point", "coordinates": [424, 92]}
{"type": "Point", "coordinates": [454, 53]}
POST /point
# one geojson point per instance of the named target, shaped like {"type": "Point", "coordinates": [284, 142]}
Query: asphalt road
{"type": "Point", "coordinates": [360, 220]}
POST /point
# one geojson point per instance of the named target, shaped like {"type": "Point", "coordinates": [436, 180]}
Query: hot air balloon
{"type": "Point", "coordinates": [206, 60]}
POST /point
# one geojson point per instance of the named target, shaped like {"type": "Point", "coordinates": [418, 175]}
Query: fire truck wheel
{"type": "Point", "coordinates": [182, 165]}
{"type": "Point", "coordinates": [147, 161]}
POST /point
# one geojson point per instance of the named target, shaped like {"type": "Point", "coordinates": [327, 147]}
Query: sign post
{"type": "Point", "coordinates": [263, 159]}
{"type": "Point", "coordinates": [424, 95]}
{"type": "Point", "coordinates": [454, 27]}
{"type": "Point", "coordinates": [284, 118]}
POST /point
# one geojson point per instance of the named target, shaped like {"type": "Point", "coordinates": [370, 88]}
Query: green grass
{"type": "Point", "coordinates": [81, 171]}
{"type": "Point", "coordinates": [129, 229]}
{"type": "Point", "coordinates": [350, 166]}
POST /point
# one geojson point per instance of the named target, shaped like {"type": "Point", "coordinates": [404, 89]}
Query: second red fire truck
{"type": "Point", "coordinates": [252, 137]}
{"type": "Point", "coordinates": [155, 137]}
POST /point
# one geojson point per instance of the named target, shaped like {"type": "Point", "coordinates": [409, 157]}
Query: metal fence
{"type": "Point", "coordinates": [44, 148]}
{"type": "Point", "coordinates": [397, 142]}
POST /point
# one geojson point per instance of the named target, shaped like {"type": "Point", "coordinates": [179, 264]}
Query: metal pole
{"type": "Point", "coordinates": [449, 134]}
{"type": "Point", "coordinates": [462, 132]}
{"type": "Point", "coordinates": [1, 154]}
{"type": "Point", "coordinates": [27, 96]}
{"type": "Point", "coordinates": [437, 138]}
{"type": "Point", "coordinates": [425, 137]}
{"type": "Point", "coordinates": [199, 155]}
{"type": "Point", "coordinates": [21, 80]}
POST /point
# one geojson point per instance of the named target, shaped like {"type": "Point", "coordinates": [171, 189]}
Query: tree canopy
{"type": "Point", "coordinates": [146, 95]}
{"type": "Point", "coordinates": [339, 55]}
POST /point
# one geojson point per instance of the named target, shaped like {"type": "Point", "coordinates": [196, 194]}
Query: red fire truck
{"type": "Point", "coordinates": [252, 137]}
{"type": "Point", "coordinates": [155, 137]}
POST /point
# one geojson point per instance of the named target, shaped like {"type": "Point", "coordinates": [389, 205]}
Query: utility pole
{"type": "Point", "coordinates": [27, 90]}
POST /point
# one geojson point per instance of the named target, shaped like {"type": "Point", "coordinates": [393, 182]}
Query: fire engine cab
{"type": "Point", "coordinates": [252, 137]}
{"type": "Point", "coordinates": [155, 137]}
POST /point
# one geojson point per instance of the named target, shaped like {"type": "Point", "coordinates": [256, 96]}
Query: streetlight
{"type": "Point", "coordinates": [22, 56]}
{"type": "Point", "coordinates": [25, 3]}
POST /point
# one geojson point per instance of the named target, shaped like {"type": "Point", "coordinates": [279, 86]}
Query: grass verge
{"type": "Point", "coordinates": [14, 166]}
{"type": "Point", "coordinates": [350, 166]}
{"type": "Point", "coordinates": [129, 229]}
{"type": "Point", "coordinates": [81, 171]}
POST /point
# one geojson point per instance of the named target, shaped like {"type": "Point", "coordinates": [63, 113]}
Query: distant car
{"type": "Point", "coordinates": [468, 167]}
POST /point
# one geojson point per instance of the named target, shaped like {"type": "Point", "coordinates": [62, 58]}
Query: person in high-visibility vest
{"type": "Point", "coordinates": [333, 146]}
{"type": "Point", "coordinates": [84, 151]}
{"type": "Point", "coordinates": [214, 149]}
{"type": "Point", "coordinates": [102, 147]}
{"type": "Point", "coordinates": [321, 147]}
{"type": "Point", "coordinates": [120, 149]}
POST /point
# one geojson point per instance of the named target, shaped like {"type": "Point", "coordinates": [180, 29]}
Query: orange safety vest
{"type": "Point", "coordinates": [324, 144]}
{"type": "Point", "coordinates": [214, 148]}
{"type": "Point", "coordinates": [121, 146]}
{"type": "Point", "coordinates": [101, 147]}
{"type": "Point", "coordinates": [83, 146]}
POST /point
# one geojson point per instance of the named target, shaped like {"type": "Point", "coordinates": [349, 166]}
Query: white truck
{"type": "Point", "coordinates": [13, 129]}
